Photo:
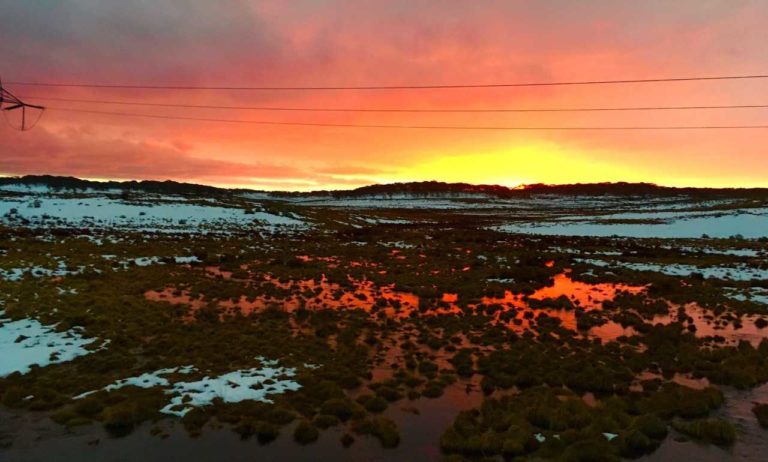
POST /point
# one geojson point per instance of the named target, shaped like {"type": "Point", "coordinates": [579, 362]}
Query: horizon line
{"type": "Point", "coordinates": [240, 186]}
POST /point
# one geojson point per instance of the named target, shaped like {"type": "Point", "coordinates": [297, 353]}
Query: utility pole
{"type": "Point", "coordinates": [13, 103]}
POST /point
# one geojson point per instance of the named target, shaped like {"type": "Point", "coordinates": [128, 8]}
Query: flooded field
{"type": "Point", "coordinates": [370, 330]}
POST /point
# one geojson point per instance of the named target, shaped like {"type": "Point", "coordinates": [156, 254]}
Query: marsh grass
{"type": "Point", "coordinates": [341, 342]}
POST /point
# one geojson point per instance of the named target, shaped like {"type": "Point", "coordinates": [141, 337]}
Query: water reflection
{"type": "Point", "coordinates": [564, 300]}
{"type": "Point", "coordinates": [561, 300]}
{"type": "Point", "coordinates": [725, 327]}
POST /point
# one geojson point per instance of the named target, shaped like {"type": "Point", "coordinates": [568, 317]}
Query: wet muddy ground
{"type": "Point", "coordinates": [386, 341]}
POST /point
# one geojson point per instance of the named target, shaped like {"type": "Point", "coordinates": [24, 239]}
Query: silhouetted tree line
{"type": "Point", "coordinates": [435, 188]}
{"type": "Point", "coordinates": [64, 183]}
{"type": "Point", "coordinates": [418, 189]}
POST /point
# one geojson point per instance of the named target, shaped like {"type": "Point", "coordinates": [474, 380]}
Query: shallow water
{"type": "Point", "coordinates": [707, 325]}
{"type": "Point", "coordinates": [421, 423]}
{"type": "Point", "coordinates": [751, 444]}
{"type": "Point", "coordinates": [38, 438]}
{"type": "Point", "coordinates": [322, 294]}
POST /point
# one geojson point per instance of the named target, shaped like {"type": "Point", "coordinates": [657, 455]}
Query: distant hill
{"type": "Point", "coordinates": [416, 189]}
{"type": "Point", "coordinates": [74, 184]}
{"type": "Point", "coordinates": [636, 189]}
{"type": "Point", "coordinates": [436, 188]}
{"type": "Point", "coordinates": [419, 189]}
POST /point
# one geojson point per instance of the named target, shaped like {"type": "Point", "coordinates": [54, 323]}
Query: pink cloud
{"type": "Point", "coordinates": [76, 152]}
{"type": "Point", "coordinates": [304, 42]}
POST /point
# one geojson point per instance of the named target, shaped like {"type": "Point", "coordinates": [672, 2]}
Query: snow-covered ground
{"type": "Point", "coordinates": [27, 342]}
{"type": "Point", "coordinates": [384, 221]}
{"type": "Point", "coordinates": [627, 216]}
{"type": "Point", "coordinates": [254, 384]}
{"type": "Point", "coordinates": [145, 380]}
{"type": "Point", "coordinates": [737, 272]}
{"type": "Point", "coordinates": [45, 189]}
{"type": "Point", "coordinates": [61, 269]}
{"type": "Point", "coordinates": [748, 223]}
{"type": "Point", "coordinates": [148, 261]}
{"type": "Point", "coordinates": [730, 252]}
{"type": "Point", "coordinates": [534, 202]}
{"type": "Point", "coordinates": [398, 245]}
{"type": "Point", "coordinates": [754, 294]}
{"type": "Point", "coordinates": [415, 202]}
{"type": "Point", "coordinates": [678, 216]}
{"type": "Point", "coordinates": [103, 212]}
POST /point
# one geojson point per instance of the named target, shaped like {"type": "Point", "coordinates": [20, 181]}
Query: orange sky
{"type": "Point", "coordinates": [275, 43]}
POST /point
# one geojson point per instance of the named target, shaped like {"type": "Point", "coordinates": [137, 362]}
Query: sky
{"type": "Point", "coordinates": [394, 42]}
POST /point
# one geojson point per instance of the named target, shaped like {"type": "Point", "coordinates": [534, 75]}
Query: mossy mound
{"type": "Point", "coordinates": [556, 423]}
{"type": "Point", "coordinates": [382, 428]}
{"type": "Point", "coordinates": [711, 430]}
{"type": "Point", "coordinates": [305, 433]}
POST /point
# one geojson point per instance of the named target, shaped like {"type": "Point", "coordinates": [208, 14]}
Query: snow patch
{"type": "Point", "coordinates": [748, 223]}
{"type": "Point", "coordinates": [254, 384]}
{"type": "Point", "coordinates": [16, 274]}
{"type": "Point", "coordinates": [103, 212]}
{"type": "Point", "coordinates": [27, 342]}
{"type": "Point", "coordinates": [738, 272]}
{"type": "Point", "coordinates": [753, 294]}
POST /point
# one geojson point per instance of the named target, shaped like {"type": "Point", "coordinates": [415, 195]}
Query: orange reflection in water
{"type": "Point", "coordinates": [611, 331]}
{"type": "Point", "coordinates": [307, 294]}
{"type": "Point", "coordinates": [515, 310]}
{"type": "Point", "coordinates": [583, 294]}
{"type": "Point", "coordinates": [450, 298]}
{"type": "Point", "coordinates": [727, 325]}
{"type": "Point", "coordinates": [177, 297]}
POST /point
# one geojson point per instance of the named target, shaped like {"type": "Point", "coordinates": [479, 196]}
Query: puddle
{"type": "Point", "coordinates": [611, 331]}
{"type": "Point", "coordinates": [561, 300]}
{"type": "Point", "coordinates": [752, 440]}
{"type": "Point", "coordinates": [305, 294]}
{"type": "Point", "coordinates": [517, 311]}
{"type": "Point", "coordinates": [728, 326]}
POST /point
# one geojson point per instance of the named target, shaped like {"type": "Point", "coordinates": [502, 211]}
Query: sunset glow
{"type": "Point", "coordinates": [401, 230]}
{"type": "Point", "coordinates": [271, 43]}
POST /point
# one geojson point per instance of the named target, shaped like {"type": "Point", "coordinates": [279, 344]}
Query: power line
{"type": "Point", "coordinates": [13, 103]}
{"type": "Point", "coordinates": [407, 110]}
{"type": "Point", "coordinates": [418, 127]}
{"type": "Point", "coordinates": [392, 87]}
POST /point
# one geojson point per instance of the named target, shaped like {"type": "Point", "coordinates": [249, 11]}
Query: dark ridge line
{"type": "Point", "coordinates": [417, 189]}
